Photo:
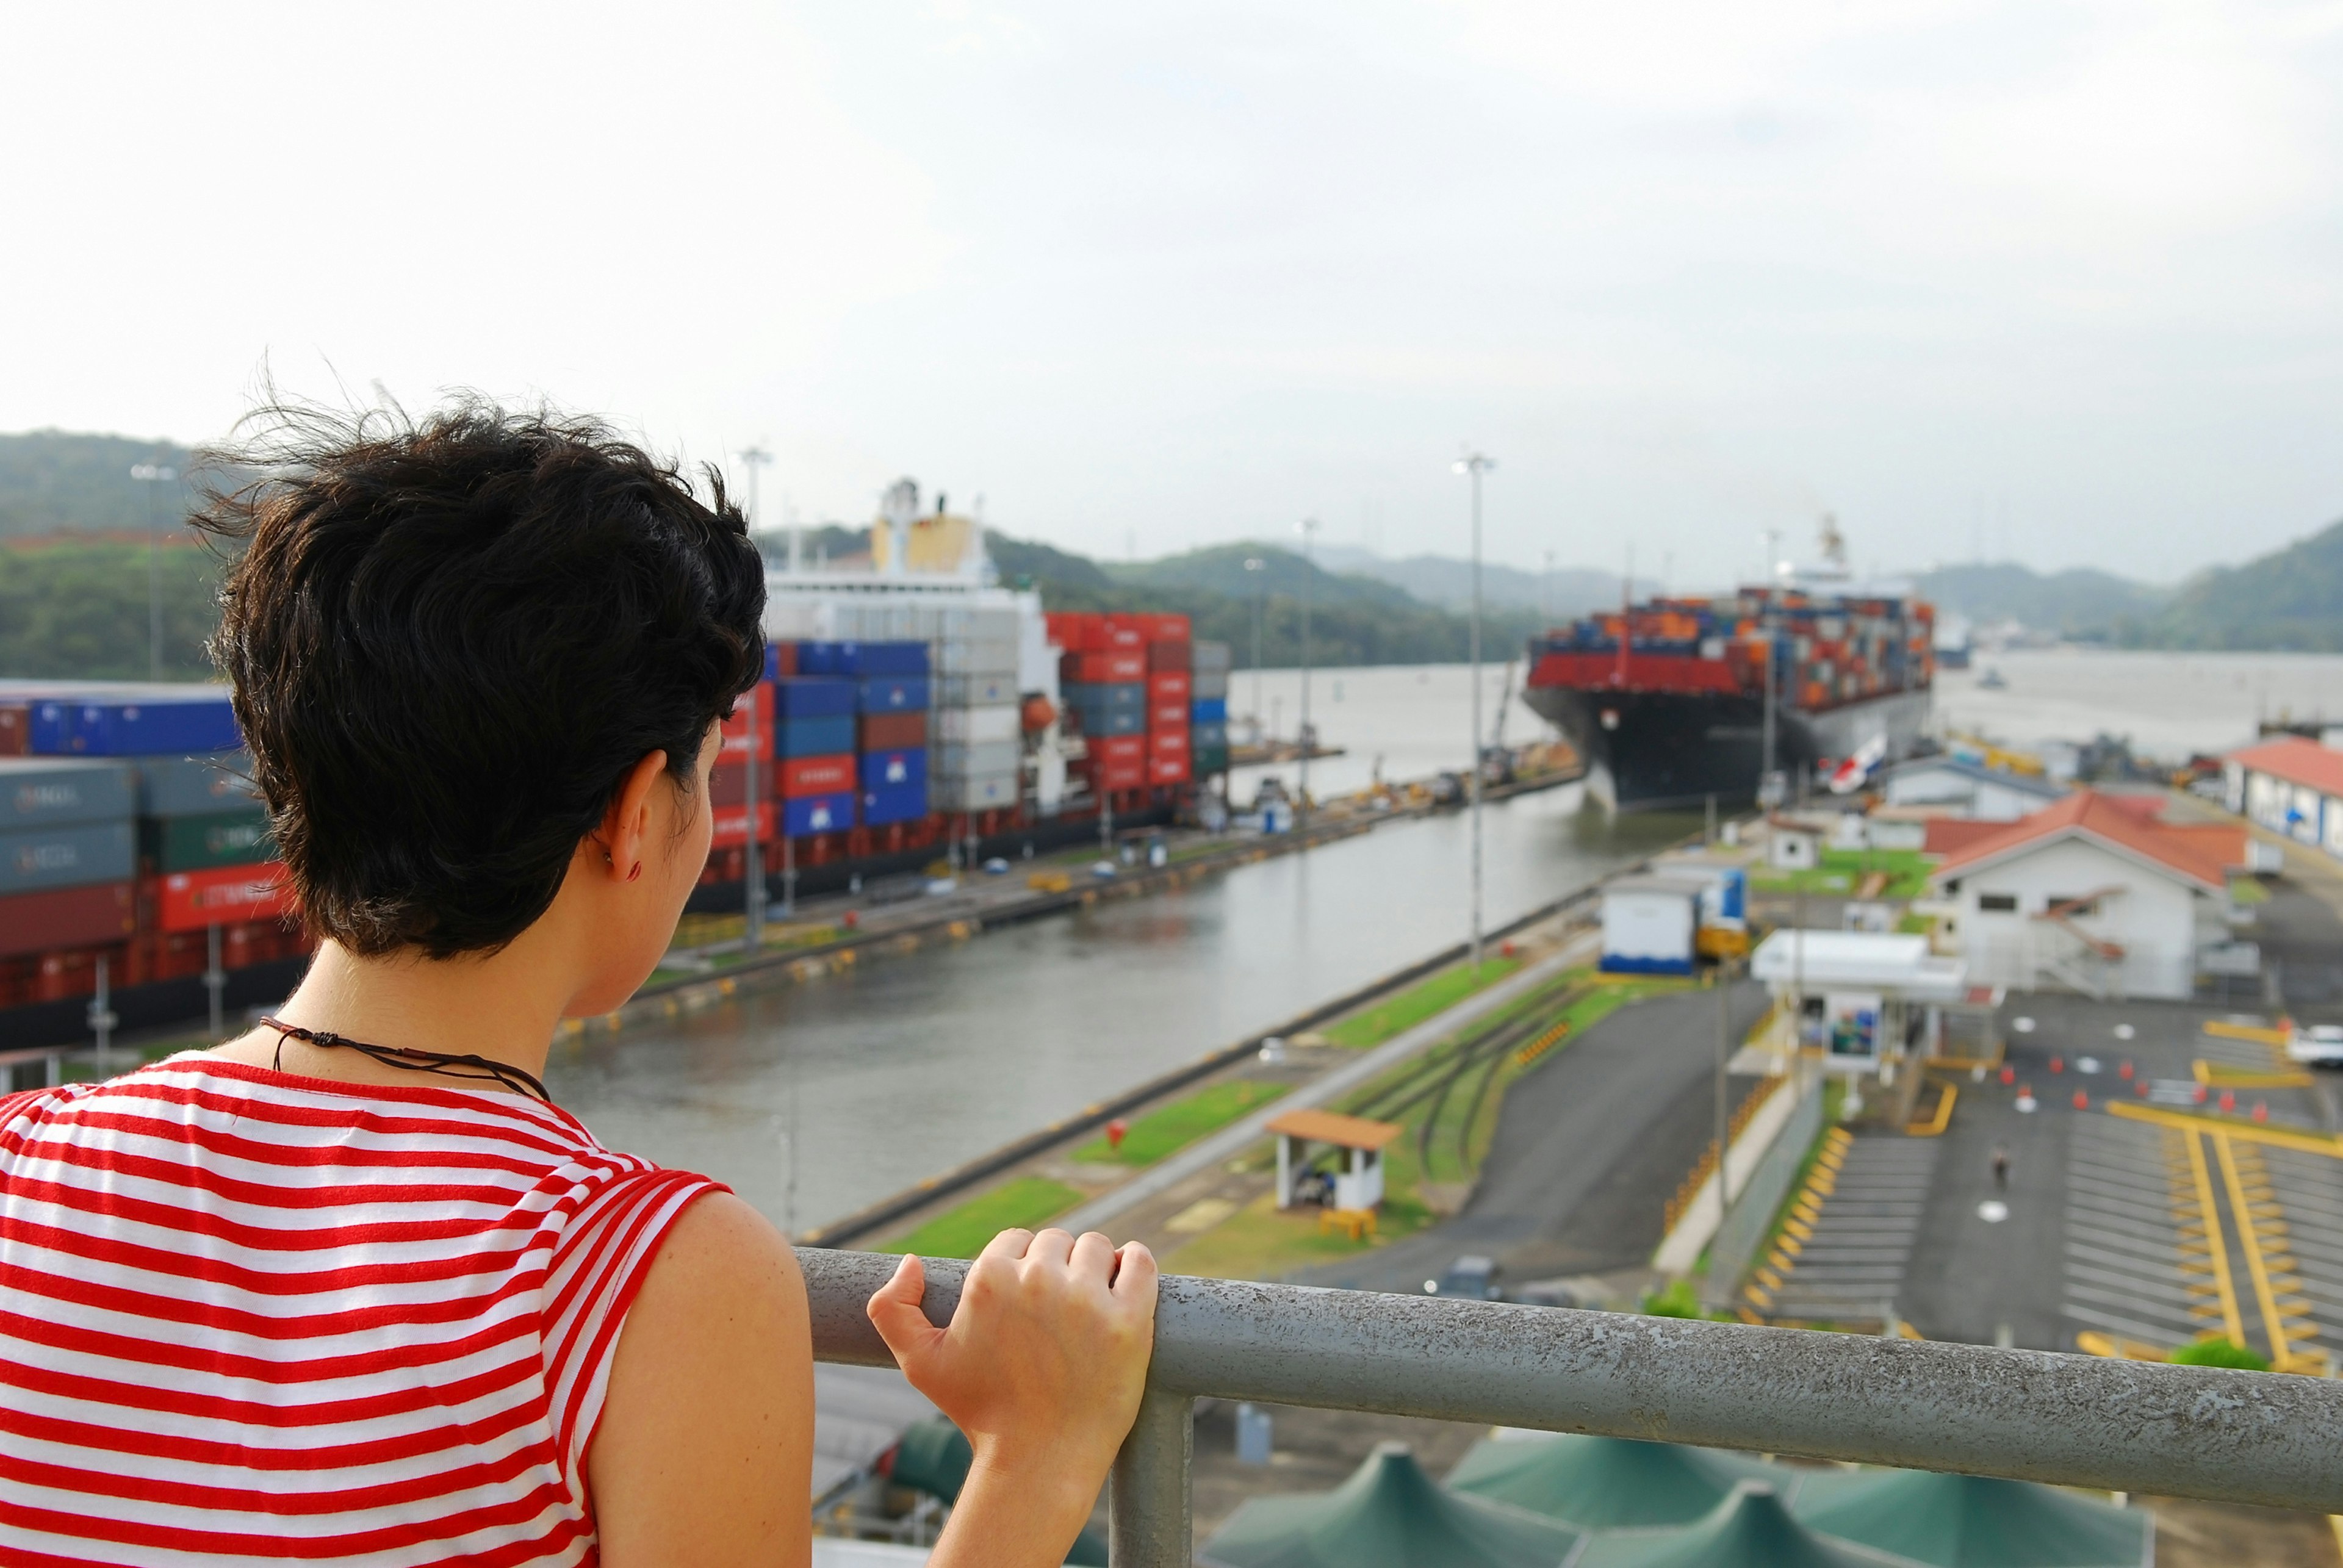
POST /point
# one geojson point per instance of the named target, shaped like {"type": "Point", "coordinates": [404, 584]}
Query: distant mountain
{"type": "Point", "coordinates": [1221, 569]}
{"type": "Point", "coordinates": [1446, 581]}
{"type": "Point", "coordinates": [2290, 600]}
{"type": "Point", "coordinates": [54, 482]}
{"type": "Point", "coordinates": [2079, 603]}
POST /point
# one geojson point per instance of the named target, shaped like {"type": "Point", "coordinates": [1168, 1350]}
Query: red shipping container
{"type": "Point", "coordinates": [782, 658]}
{"type": "Point", "coordinates": [736, 725]}
{"type": "Point", "coordinates": [1112, 776]}
{"type": "Point", "coordinates": [1170, 686]}
{"type": "Point", "coordinates": [894, 732]}
{"type": "Point", "coordinates": [727, 781]}
{"type": "Point", "coordinates": [1169, 743]}
{"type": "Point", "coordinates": [225, 895]}
{"type": "Point", "coordinates": [16, 727]}
{"type": "Point", "coordinates": [1168, 716]}
{"type": "Point", "coordinates": [1076, 631]}
{"type": "Point", "coordinates": [66, 917]}
{"type": "Point", "coordinates": [1118, 668]}
{"type": "Point", "coordinates": [1122, 632]}
{"type": "Point", "coordinates": [1163, 627]}
{"type": "Point", "coordinates": [802, 776]}
{"type": "Point", "coordinates": [1171, 655]}
{"type": "Point", "coordinates": [733, 825]}
{"type": "Point", "coordinates": [1167, 769]}
{"type": "Point", "coordinates": [1118, 747]}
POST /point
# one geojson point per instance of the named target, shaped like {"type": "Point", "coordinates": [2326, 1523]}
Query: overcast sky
{"type": "Point", "coordinates": [2061, 280]}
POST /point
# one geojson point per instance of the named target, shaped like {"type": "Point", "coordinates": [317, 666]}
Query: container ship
{"type": "Point", "coordinates": [1669, 700]}
{"type": "Point", "coordinates": [911, 712]}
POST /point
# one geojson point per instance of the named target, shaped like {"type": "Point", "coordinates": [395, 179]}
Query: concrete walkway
{"type": "Point", "coordinates": [1237, 1137]}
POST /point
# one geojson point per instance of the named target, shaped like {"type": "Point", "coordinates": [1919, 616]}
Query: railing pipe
{"type": "Point", "coordinates": [2078, 1420]}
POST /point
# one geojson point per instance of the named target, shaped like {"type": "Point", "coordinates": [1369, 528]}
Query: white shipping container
{"type": "Point", "coordinates": [1648, 924]}
{"type": "Point", "coordinates": [979, 794]}
{"type": "Point", "coordinates": [974, 690]}
{"type": "Point", "coordinates": [960, 759]}
{"type": "Point", "coordinates": [956, 656]}
{"type": "Point", "coordinates": [978, 726]}
{"type": "Point", "coordinates": [1209, 683]}
{"type": "Point", "coordinates": [1204, 655]}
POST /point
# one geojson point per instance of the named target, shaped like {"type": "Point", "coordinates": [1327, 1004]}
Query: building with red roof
{"type": "Point", "coordinates": [2292, 785]}
{"type": "Point", "coordinates": [2097, 893]}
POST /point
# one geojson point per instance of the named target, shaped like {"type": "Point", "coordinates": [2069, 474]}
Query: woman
{"type": "Point", "coordinates": [350, 1288]}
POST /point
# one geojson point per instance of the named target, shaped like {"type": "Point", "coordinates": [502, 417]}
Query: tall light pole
{"type": "Point", "coordinates": [1258, 567]}
{"type": "Point", "coordinates": [1473, 465]}
{"type": "Point", "coordinates": [753, 935]}
{"type": "Point", "coordinates": [1767, 795]}
{"type": "Point", "coordinates": [1545, 596]}
{"type": "Point", "coordinates": [152, 475]}
{"type": "Point", "coordinates": [1306, 528]}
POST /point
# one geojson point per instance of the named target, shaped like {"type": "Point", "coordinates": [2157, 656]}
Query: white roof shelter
{"type": "Point", "coordinates": [1868, 960]}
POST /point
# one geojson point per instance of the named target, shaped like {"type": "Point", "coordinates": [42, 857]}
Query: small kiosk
{"type": "Point", "coordinates": [1865, 1000]}
{"type": "Point", "coordinates": [1357, 1177]}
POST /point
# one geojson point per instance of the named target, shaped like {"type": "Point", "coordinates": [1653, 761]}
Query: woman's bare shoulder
{"type": "Point", "coordinates": [704, 1450]}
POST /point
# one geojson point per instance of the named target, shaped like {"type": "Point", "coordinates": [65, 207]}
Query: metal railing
{"type": "Point", "coordinates": [2080, 1421]}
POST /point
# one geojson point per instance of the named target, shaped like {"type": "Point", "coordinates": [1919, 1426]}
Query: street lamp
{"type": "Point", "coordinates": [1260, 592]}
{"type": "Point", "coordinates": [151, 474]}
{"type": "Point", "coordinates": [1306, 528]}
{"type": "Point", "coordinates": [1474, 464]}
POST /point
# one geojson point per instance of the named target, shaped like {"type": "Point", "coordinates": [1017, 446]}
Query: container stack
{"type": "Point", "coordinates": [1102, 673]}
{"type": "Point", "coordinates": [1170, 653]}
{"type": "Point", "coordinates": [67, 858]}
{"type": "Point", "coordinates": [1208, 708]}
{"type": "Point", "coordinates": [892, 735]}
{"type": "Point", "coordinates": [976, 751]}
{"type": "Point", "coordinates": [816, 777]}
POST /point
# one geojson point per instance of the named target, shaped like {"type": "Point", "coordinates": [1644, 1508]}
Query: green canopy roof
{"type": "Point", "coordinates": [1388, 1514]}
{"type": "Point", "coordinates": [1972, 1521]}
{"type": "Point", "coordinates": [1750, 1529]}
{"type": "Point", "coordinates": [1608, 1482]}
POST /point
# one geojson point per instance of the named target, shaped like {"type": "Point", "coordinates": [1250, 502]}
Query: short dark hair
{"type": "Point", "coordinates": [451, 639]}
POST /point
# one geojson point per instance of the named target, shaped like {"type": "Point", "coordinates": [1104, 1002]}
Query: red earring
{"type": "Point", "coordinates": [635, 870]}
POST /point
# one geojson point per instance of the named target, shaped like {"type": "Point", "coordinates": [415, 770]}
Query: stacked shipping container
{"type": "Point", "coordinates": [1128, 688]}
{"type": "Point", "coordinates": [128, 834]}
{"type": "Point", "coordinates": [1208, 723]}
{"type": "Point", "coordinates": [978, 746]}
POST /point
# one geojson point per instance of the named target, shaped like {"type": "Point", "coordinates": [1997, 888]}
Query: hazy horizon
{"type": "Point", "coordinates": [2058, 286]}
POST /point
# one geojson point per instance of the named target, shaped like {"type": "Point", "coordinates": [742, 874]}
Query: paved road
{"type": "Point", "coordinates": [1590, 1146]}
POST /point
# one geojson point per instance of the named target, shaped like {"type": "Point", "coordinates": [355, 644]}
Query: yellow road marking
{"type": "Point", "coordinates": [2243, 1131]}
{"type": "Point", "coordinates": [2253, 1031]}
{"type": "Point", "coordinates": [2217, 1251]}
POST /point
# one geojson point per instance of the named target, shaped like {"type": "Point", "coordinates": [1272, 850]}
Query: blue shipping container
{"type": "Point", "coordinates": [1132, 721]}
{"type": "Point", "coordinates": [817, 814]}
{"type": "Point", "coordinates": [813, 699]}
{"type": "Point", "coordinates": [825, 737]}
{"type": "Point", "coordinates": [54, 791]}
{"type": "Point", "coordinates": [895, 694]}
{"type": "Point", "coordinates": [145, 726]}
{"type": "Point", "coordinates": [1132, 695]}
{"type": "Point", "coordinates": [862, 658]}
{"type": "Point", "coordinates": [68, 857]}
{"type": "Point", "coordinates": [1201, 736]}
{"type": "Point", "coordinates": [895, 803]}
{"type": "Point", "coordinates": [1209, 710]}
{"type": "Point", "coordinates": [892, 769]}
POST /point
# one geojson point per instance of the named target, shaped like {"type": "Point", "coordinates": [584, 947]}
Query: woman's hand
{"type": "Point", "coordinates": [1042, 1367]}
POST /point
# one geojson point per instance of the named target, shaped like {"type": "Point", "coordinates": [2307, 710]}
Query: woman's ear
{"type": "Point", "coordinates": [626, 826]}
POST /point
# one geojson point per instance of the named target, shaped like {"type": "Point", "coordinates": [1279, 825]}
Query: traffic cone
{"type": "Point", "coordinates": [2057, 1064]}
{"type": "Point", "coordinates": [2008, 1074]}
{"type": "Point", "coordinates": [2201, 1094]}
{"type": "Point", "coordinates": [2081, 1100]}
{"type": "Point", "coordinates": [2139, 1086]}
{"type": "Point", "coordinates": [2228, 1099]}
{"type": "Point", "coordinates": [2124, 1071]}
{"type": "Point", "coordinates": [2261, 1110]}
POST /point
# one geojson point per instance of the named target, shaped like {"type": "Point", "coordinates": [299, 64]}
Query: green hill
{"type": "Point", "coordinates": [2078, 603]}
{"type": "Point", "coordinates": [54, 482]}
{"type": "Point", "coordinates": [2290, 600]}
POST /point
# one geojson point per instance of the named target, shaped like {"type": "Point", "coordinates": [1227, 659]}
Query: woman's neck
{"type": "Point", "coordinates": [503, 1007]}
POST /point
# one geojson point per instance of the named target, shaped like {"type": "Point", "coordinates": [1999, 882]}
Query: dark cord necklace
{"type": "Point", "coordinates": [410, 1060]}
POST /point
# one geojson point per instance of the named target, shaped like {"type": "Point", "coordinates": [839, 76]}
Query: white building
{"type": "Point", "coordinates": [2095, 894]}
{"type": "Point", "coordinates": [1651, 925]}
{"type": "Point", "coordinates": [1967, 788]}
{"type": "Point", "coordinates": [2292, 786]}
{"type": "Point", "coordinates": [1864, 999]}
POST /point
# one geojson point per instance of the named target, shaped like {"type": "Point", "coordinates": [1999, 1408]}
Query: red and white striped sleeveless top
{"type": "Point", "coordinates": [245, 1314]}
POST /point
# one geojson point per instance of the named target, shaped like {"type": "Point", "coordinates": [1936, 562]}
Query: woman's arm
{"type": "Point", "coordinates": [1042, 1367]}
{"type": "Point", "coordinates": [705, 1452]}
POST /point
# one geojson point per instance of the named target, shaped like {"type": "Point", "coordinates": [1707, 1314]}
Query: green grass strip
{"type": "Point", "coordinates": [1175, 1126]}
{"type": "Point", "coordinates": [1026, 1203]}
{"type": "Point", "coordinates": [1396, 1014]}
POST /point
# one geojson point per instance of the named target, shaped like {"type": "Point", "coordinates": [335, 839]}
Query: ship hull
{"type": "Point", "coordinates": [1662, 751]}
